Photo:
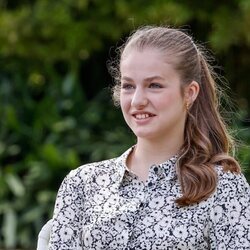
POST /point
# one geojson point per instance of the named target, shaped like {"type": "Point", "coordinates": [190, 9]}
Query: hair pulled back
{"type": "Point", "coordinates": [206, 140]}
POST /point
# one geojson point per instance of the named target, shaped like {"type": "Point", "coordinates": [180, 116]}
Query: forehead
{"type": "Point", "coordinates": [147, 62]}
{"type": "Point", "coordinates": [135, 51]}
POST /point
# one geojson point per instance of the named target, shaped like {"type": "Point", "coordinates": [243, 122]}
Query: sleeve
{"type": "Point", "coordinates": [68, 215]}
{"type": "Point", "coordinates": [43, 237]}
{"type": "Point", "coordinates": [230, 214]}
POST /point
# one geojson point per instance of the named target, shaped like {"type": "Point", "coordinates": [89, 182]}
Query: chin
{"type": "Point", "coordinates": [144, 134]}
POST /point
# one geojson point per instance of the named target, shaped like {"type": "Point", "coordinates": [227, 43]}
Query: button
{"type": "Point", "coordinates": [150, 184]}
{"type": "Point", "coordinates": [156, 169]}
{"type": "Point", "coordinates": [143, 204]}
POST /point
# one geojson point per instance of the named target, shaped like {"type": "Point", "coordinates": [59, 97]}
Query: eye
{"type": "Point", "coordinates": [127, 86]}
{"type": "Point", "coordinates": [155, 85]}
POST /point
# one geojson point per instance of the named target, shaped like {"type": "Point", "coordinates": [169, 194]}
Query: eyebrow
{"type": "Point", "coordinates": [148, 79]}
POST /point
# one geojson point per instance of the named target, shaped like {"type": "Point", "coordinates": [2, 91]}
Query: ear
{"type": "Point", "coordinates": [191, 92]}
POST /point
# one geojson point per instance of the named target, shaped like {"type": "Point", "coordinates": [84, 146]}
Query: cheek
{"type": "Point", "coordinates": [124, 103]}
{"type": "Point", "coordinates": [171, 101]}
{"type": "Point", "coordinates": [165, 100]}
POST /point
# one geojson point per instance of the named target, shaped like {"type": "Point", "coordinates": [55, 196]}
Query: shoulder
{"type": "Point", "coordinates": [101, 172]}
{"type": "Point", "coordinates": [113, 166]}
{"type": "Point", "coordinates": [86, 171]}
{"type": "Point", "coordinates": [230, 212]}
{"type": "Point", "coordinates": [77, 180]}
{"type": "Point", "coordinates": [228, 178]}
{"type": "Point", "coordinates": [231, 184]}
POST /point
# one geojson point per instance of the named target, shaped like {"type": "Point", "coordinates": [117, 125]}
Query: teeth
{"type": "Point", "coordinates": [141, 116]}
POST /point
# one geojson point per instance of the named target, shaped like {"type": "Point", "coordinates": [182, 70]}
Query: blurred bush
{"type": "Point", "coordinates": [55, 105]}
{"type": "Point", "coordinates": [42, 138]}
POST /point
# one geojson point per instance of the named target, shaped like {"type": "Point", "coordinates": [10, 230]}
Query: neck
{"type": "Point", "coordinates": [149, 152]}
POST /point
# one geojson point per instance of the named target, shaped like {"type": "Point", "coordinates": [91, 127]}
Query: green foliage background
{"type": "Point", "coordinates": [55, 105]}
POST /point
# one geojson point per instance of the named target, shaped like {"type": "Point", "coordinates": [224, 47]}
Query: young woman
{"type": "Point", "coordinates": [178, 187]}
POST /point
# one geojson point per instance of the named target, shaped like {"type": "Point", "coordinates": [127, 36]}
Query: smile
{"type": "Point", "coordinates": [142, 116]}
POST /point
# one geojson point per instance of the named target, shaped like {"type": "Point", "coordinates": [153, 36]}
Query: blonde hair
{"type": "Point", "coordinates": [206, 139]}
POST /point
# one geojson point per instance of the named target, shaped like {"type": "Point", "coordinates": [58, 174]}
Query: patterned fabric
{"type": "Point", "coordinates": [104, 206]}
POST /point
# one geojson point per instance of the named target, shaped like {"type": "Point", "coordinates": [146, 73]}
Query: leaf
{"type": "Point", "coordinates": [15, 184]}
{"type": "Point", "coordinates": [9, 228]}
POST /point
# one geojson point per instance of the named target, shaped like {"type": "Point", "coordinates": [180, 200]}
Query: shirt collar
{"type": "Point", "coordinates": [167, 168]}
{"type": "Point", "coordinates": [121, 164]}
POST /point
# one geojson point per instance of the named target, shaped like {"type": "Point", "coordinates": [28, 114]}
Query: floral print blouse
{"type": "Point", "coordinates": [103, 205]}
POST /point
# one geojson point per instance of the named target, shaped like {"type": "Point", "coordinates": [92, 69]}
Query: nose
{"type": "Point", "coordinates": [139, 99]}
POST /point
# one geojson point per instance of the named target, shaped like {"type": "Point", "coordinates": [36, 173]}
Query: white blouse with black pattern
{"type": "Point", "coordinates": [103, 205]}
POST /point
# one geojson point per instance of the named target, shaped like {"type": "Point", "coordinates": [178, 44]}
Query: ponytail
{"type": "Point", "coordinates": [207, 143]}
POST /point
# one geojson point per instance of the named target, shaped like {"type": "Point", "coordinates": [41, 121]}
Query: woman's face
{"type": "Point", "coordinates": [150, 97]}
